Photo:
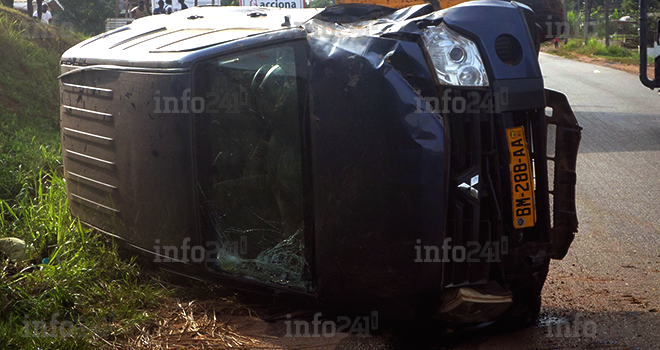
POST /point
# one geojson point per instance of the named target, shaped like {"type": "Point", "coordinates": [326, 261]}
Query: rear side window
{"type": "Point", "coordinates": [249, 162]}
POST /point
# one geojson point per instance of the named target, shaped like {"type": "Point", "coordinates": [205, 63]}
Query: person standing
{"type": "Point", "coordinates": [183, 4]}
{"type": "Point", "coordinates": [556, 43]}
{"type": "Point", "coordinates": [140, 10]}
{"type": "Point", "coordinates": [160, 8]}
{"type": "Point", "coordinates": [46, 17]}
{"type": "Point", "coordinates": [168, 9]}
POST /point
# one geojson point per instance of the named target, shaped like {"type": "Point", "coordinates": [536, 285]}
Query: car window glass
{"type": "Point", "coordinates": [249, 163]}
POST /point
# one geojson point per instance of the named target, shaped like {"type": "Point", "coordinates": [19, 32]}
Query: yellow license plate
{"type": "Point", "coordinates": [522, 181]}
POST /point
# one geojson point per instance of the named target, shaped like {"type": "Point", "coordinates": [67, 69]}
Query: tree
{"type": "Point", "coordinates": [587, 14]}
{"type": "Point", "coordinates": [573, 21]}
{"type": "Point", "coordinates": [631, 7]}
{"type": "Point", "coordinates": [87, 16]}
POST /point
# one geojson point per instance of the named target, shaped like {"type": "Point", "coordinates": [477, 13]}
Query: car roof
{"type": "Point", "coordinates": [167, 41]}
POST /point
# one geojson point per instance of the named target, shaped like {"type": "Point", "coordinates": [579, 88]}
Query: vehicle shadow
{"type": "Point", "coordinates": [555, 329]}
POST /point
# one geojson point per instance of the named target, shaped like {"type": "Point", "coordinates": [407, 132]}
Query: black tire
{"type": "Point", "coordinates": [520, 316]}
{"type": "Point", "coordinates": [526, 305]}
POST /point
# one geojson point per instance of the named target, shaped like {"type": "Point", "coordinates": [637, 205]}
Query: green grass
{"type": "Point", "coordinates": [612, 53]}
{"type": "Point", "coordinates": [84, 285]}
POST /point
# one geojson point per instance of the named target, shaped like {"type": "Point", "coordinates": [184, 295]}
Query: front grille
{"type": "Point", "coordinates": [472, 206]}
{"type": "Point", "coordinates": [479, 148]}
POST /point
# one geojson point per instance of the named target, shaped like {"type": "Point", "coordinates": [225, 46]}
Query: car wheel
{"type": "Point", "coordinates": [526, 305]}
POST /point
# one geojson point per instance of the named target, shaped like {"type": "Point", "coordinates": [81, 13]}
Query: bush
{"type": "Point", "coordinates": [618, 51]}
{"type": "Point", "coordinates": [595, 47]}
{"type": "Point", "coordinates": [572, 45]}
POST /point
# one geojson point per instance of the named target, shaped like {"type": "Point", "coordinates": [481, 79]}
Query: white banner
{"type": "Point", "coordinates": [283, 4]}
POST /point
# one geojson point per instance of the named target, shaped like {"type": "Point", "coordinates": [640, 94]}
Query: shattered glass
{"type": "Point", "coordinates": [250, 164]}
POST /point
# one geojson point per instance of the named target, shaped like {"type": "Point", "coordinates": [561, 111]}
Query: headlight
{"type": "Point", "coordinates": [456, 59]}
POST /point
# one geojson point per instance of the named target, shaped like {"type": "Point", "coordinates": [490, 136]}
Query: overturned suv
{"type": "Point", "coordinates": [400, 162]}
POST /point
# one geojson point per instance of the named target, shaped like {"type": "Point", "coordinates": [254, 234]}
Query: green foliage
{"type": "Point", "coordinates": [595, 47]}
{"type": "Point", "coordinates": [626, 8]}
{"type": "Point", "coordinates": [625, 33]}
{"type": "Point", "coordinates": [29, 121]}
{"type": "Point", "coordinates": [84, 279]}
{"type": "Point", "coordinates": [87, 16]}
{"type": "Point", "coordinates": [615, 14]}
{"type": "Point", "coordinates": [321, 3]}
{"type": "Point", "coordinates": [572, 20]}
{"type": "Point", "coordinates": [571, 16]}
{"type": "Point", "coordinates": [572, 45]}
{"type": "Point", "coordinates": [630, 7]}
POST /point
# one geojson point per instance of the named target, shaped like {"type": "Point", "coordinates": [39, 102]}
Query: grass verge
{"type": "Point", "coordinates": [75, 292]}
{"type": "Point", "coordinates": [595, 48]}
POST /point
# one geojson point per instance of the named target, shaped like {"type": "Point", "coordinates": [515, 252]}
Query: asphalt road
{"type": "Point", "coordinates": [607, 289]}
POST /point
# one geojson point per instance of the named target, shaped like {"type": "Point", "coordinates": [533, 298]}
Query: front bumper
{"type": "Point", "coordinates": [567, 142]}
{"type": "Point", "coordinates": [481, 289]}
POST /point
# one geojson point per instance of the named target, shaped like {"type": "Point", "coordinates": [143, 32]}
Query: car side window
{"type": "Point", "coordinates": [248, 149]}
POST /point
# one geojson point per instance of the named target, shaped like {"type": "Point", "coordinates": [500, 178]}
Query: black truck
{"type": "Point", "coordinates": [406, 162]}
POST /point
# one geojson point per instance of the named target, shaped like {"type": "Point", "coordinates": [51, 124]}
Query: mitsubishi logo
{"type": "Point", "coordinates": [472, 187]}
